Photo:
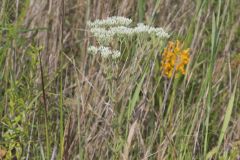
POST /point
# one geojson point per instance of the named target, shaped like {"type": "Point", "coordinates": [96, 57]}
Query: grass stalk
{"type": "Point", "coordinates": [45, 108]}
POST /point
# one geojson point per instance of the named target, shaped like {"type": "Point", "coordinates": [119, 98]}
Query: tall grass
{"type": "Point", "coordinates": [67, 104]}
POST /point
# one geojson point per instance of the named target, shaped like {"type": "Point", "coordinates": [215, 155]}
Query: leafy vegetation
{"type": "Point", "coordinates": [59, 102]}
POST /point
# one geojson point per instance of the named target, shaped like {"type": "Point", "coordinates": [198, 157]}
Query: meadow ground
{"type": "Point", "coordinates": [164, 85]}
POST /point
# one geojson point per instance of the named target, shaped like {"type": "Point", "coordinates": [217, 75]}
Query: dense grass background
{"type": "Point", "coordinates": [58, 102]}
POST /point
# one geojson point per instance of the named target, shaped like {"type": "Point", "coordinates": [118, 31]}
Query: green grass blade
{"type": "Point", "coordinates": [227, 117]}
{"type": "Point", "coordinates": [135, 97]}
{"type": "Point", "coordinates": [141, 10]}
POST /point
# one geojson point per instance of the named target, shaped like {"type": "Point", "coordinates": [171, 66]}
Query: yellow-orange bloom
{"type": "Point", "coordinates": [174, 59]}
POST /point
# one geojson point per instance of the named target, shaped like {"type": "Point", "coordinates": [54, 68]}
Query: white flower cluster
{"type": "Point", "coordinates": [121, 31]}
{"type": "Point", "coordinates": [109, 22]}
{"type": "Point", "coordinates": [104, 51]}
{"type": "Point", "coordinates": [142, 28]}
{"type": "Point", "coordinates": [102, 35]}
{"type": "Point", "coordinates": [92, 50]}
{"type": "Point", "coordinates": [116, 54]}
{"type": "Point", "coordinates": [114, 27]}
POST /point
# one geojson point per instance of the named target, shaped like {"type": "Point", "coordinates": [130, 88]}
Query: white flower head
{"type": "Point", "coordinates": [160, 33]}
{"type": "Point", "coordinates": [105, 51]}
{"type": "Point", "coordinates": [116, 54]}
{"type": "Point", "coordinates": [102, 35]}
{"type": "Point", "coordinates": [121, 31]}
{"type": "Point", "coordinates": [109, 22]}
{"type": "Point", "coordinates": [92, 50]}
{"type": "Point", "coordinates": [141, 28]}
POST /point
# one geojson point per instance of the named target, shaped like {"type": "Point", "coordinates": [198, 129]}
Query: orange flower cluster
{"type": "Point", "coordinates": [174, 59]}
